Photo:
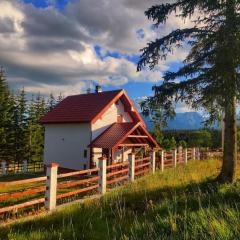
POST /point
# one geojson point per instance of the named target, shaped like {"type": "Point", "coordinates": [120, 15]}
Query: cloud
{"type": "Point", "coordinates": [50, 50]}
{"type": "Point", "coordinates": [7, 25]}
{"type": "Point", "coordinates": [180, 107]}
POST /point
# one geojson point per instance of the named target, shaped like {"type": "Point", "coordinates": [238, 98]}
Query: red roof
{"type": "Point", "coordinates": [117, 133]}
{"type": "Point", "coordinates": [112, 135]}
{"type": "Point", "coordinates": [88, 108]}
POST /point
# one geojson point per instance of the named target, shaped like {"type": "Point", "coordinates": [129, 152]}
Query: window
{"type": "Point", "coordinates": [119, 118]}
{"type": "Point", "coordinates": [84, 166]}
{"type": "Point", "coordinates": [85, 153]}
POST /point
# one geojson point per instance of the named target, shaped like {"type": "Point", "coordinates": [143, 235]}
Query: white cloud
{"type": "Point", "coordinates": [48, 49]}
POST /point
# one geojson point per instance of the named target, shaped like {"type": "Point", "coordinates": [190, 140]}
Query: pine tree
{"type": "Point", "coordinates": [6, 120]}
{"type": "Point", "coordinates": [60, 98]}
{"type": "Point", "coordinates": [51, 102]}
{"type": "Point", "coordinates": [37, 109]}
{"type": "Point", "coordinates": [210, 72]}
{"type": "Point", "coordinates": [21, 127]}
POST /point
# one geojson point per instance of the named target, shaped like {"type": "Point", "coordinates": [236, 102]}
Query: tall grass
{"type": "Point", "coordinates": [182, 203]}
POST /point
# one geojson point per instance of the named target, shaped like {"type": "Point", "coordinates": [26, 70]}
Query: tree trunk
{"type": "Point", "coordinates": [228, 172]}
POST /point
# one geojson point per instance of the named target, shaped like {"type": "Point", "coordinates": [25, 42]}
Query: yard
{"type": "Point", "coordinates": [182, 203]}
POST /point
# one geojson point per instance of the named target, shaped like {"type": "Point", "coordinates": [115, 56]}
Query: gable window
{"type": "Point", "coordinates": [119, 118]}
{"type": "Point", "coordinates": [85, 153]}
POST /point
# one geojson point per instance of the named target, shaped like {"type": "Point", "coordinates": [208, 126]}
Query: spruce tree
{"type": "Point", "coordinates": [59, 98]}
{"type": "Point", "coordinates": [37, 109]}
{"type": "Point", "coordinates": [20, 126]}
{"type": "Point", "coordinates": [51, 103]}
{"type": "Point", "coordinates": [210, 72]}
{"type": "Point", "coordinates": [6, 120]}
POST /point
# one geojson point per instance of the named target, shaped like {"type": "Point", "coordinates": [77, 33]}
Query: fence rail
{"type": "Point", "coordinates": [23, 167]}
{"type": "Point", "coordinates": [53, 188]}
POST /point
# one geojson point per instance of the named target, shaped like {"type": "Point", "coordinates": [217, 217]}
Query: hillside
{"type": "Point", "coordinates": [187, 120]}
{"type": "Point", "coordinates": [182, 203]}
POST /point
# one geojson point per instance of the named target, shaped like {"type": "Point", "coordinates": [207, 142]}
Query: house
{"type": "Point", "coordinates": [84, 127]}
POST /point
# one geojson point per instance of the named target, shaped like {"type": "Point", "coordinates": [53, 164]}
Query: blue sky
{"type": "Point", "coordinates": [53, 46]}
{"type": "Point", "coordinates": [60, 4]}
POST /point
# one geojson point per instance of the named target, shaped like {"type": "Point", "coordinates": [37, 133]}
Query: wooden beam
{"type": "Point", "coordinates": [132, 144]}
{"type": "Point", "coordinates": [138, 136]}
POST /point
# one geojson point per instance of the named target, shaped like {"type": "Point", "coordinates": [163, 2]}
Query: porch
{"type": "Point", "coordinates": [119, 140]}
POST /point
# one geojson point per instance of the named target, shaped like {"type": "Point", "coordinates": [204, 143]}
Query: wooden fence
{"type": "Point", "coordinates": [23, 167]}
{"type": "Point", "coordinates": [52, 189]}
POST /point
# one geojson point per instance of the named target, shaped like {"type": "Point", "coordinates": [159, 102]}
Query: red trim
{"type": "Point", "coordinates": [102, 158]}
{"type": "Point", "coordinates": [150, 136]}
{"type": "Point", "coordinates": [129, 132]}
{"type": "Point", "coordinates": [135, 110]}
{"type": "Point", "coordinates": [100, 114]}
{"type": "Point", "coordinates": [151, 140]}
{"type": "Point", "coordinates": [115, 99]}
{"type": "Point", "coordinates": [135, 127]}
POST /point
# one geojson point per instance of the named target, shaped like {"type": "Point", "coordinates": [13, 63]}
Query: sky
{"type": "Point", "coordinates": [67, 46]}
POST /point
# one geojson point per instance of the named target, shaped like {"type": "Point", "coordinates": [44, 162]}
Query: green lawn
{"type": "Point", "coordinates": [182, 203]}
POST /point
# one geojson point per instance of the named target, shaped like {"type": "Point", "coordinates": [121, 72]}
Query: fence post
{"type": "Point", "coordinates": [185, 155]}
{"type": "Point", "coordinates": [193, 153]}
{"type": "Point", "coordinates": [3, 166]}
{"type": "Point", "coordinates": [51, 186]}
{"type": "Point", "coordinates": [153, 161]}
{"type": "Point", "coordinates": [174, 152]}
{"type": "Point", "coordinates": [162, 160]}
{"type": "Point", "coordinates": [180, 153]}
{"type": "Point", "coordinates": [197, 153]}
{"type": "Point", "coordinates": [25, 166]}
{"type": "Point", "coordinates": [131, 160]}
{"type": "Point", "coordinates": [102, 174]}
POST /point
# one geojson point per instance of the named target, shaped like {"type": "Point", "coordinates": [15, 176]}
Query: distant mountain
{"type": "Point", "coordinates": [187, 120]}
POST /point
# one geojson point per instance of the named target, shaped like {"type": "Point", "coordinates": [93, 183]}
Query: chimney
{"type": "Point", "coordinates": [98, 89]}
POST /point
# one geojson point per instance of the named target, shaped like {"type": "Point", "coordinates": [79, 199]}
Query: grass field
{"type": "Point", "coordinates": [182, 203]}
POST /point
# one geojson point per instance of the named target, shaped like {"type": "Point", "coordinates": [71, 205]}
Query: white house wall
{"type": "Point", "coordinates": [108, 118]}
{"type": "Point", "coordinates": [65, 145]}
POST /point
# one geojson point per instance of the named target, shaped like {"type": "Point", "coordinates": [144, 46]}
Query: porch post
{"type": "Point", "coordinates": [153, 161]}
{"type": "Point", "coordinates": [162, 160]}
{"type": "Point", "coordinates": [102, 174]}
{"type": "Point", "coordinates": [131, 160]}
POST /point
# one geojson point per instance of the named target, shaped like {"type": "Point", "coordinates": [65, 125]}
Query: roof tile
{"type": "Point", "coordinates": [79, 108]}
{"type": "Point", "coordinates": [110, 137]}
